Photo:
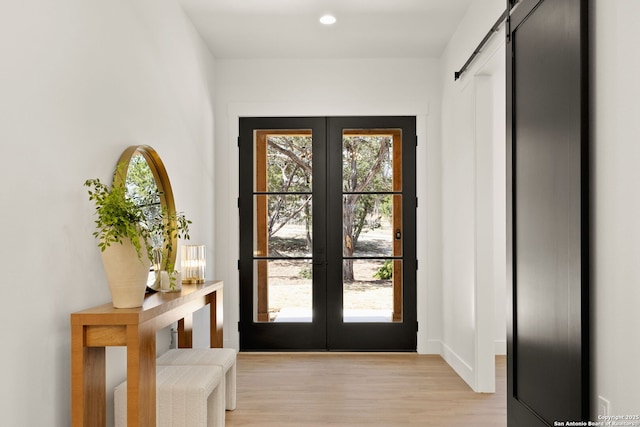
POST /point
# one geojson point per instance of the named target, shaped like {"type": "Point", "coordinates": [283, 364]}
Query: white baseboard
{"type": "Point", "coordinates": [500, 347]}
{"type": "Point", "coordinates": [462, 368]}
{"type": "Point", "coordinates": [431, 347]}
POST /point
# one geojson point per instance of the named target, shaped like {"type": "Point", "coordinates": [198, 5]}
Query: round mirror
{"type": "Point", "coordinates": [148, 185]}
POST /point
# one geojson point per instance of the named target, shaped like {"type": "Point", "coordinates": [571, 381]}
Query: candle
{"type": "Point", "coordinates": [193, 263]}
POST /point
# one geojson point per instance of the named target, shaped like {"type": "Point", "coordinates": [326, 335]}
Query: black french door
{"type": "Point", "coordinates": [327, 233]}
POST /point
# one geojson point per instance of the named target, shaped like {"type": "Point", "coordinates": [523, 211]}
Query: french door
{"type": "Point", "coordinates": [327, 233]}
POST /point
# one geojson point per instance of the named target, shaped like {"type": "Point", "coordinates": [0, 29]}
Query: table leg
{"type": "Point", "coordinates": [185, 331]}
{"type": "Point", "coordinates": [88, 382]}
{"type": "Point", "coordinates": [141, 376]}
{"type": "Point", "coordinates": [216, 318]}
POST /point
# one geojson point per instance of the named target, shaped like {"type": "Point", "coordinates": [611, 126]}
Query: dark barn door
{"type": "Point", "coordinates": [547, 109]}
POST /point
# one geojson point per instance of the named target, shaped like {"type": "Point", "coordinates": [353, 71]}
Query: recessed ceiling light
{"type": "Point", "coordinates": [328, 20]}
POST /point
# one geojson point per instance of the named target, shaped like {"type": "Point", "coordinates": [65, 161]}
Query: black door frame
{"type": "Point", "coordinates": [283, 336]}
{"type": "Point", "coordinates": [573, 351]}
{"type": "Point", "coordinates": [396, 336]}
{"type": "Point", "coordinates": [393, 336]}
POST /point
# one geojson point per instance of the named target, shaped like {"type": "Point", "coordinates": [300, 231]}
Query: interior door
{"type": "Point", "coordinates": [327, 233]}
{"type": "Point", "coordinates": [548, 262]}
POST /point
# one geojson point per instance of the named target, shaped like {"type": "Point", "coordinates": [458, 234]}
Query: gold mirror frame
{"type": "Point", "coordinates": [164, 189]}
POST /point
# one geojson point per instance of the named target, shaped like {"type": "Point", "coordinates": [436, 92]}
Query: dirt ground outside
{"type": "Point", "coordinates": [290, 280]}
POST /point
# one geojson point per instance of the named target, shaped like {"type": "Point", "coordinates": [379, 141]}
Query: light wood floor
{"type": "Point", "coordinates": [360, 389]}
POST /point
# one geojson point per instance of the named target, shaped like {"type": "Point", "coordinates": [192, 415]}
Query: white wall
{"type": "Point", "coordinates": [615, 223]}
{"type": "Point", "coordinates": [469, 256]}
{"type": "Point", "coordinates": [322, 88]}
{"type": "Point", "coordinates": [80, 80]}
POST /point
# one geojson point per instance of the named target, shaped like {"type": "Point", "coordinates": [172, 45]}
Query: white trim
{"type": "Point", "coordinates": [500, 347]}
{"type": "Point", "coordinates": [431, 347]}
{"type": "Point", "coordinates": [481, 376]}
{"type": "Point", "coordinates": [316, 109]}
{"type": "Point", "coordinates": [484, 298]}
{"type": "Point", "coordinates": [458, 364]}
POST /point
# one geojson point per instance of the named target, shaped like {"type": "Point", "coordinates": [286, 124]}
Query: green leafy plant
{"type": "Point", "coordinates": [306, 273]}
{"type": "Point", "coordinates": [385, 272]}
{"type": "Point", "coordinates": [120, 217]}
{"type": "Point", "coordinates": [168, 228]}
{"type": "Point", "coordinates": [173, 277]}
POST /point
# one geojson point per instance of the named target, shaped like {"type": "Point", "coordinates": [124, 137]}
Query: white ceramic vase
{"type": "Point", "coordinates": [126, 273]}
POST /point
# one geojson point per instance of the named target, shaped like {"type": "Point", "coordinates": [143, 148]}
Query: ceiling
{"type": "Point", "coordinates": [290, 28]}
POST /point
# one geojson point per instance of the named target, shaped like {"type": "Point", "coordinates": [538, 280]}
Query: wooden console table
{"type": "Point", "coordinates": [96, 328]}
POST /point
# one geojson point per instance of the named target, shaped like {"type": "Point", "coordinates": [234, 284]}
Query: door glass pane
{"type": "Point", "coordinates": [367, 162]}
{"type": "Point", "coordinates": [283, 161]}
{"type": "Point", "coordinates": [283, 225]}
{"type": "Point", "coordinates": [369, 295]}
{"type": "Point", "coordinates": [371, 225]}
{"type": "Point", "coordinates": [283, 290]}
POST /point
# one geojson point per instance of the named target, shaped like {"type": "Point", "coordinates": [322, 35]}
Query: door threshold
{"type": "Point", "coordinates": [304, 315]}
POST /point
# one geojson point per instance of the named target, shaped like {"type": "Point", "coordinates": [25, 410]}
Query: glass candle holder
{"type": "Point", "coordinates": [193, 262]}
